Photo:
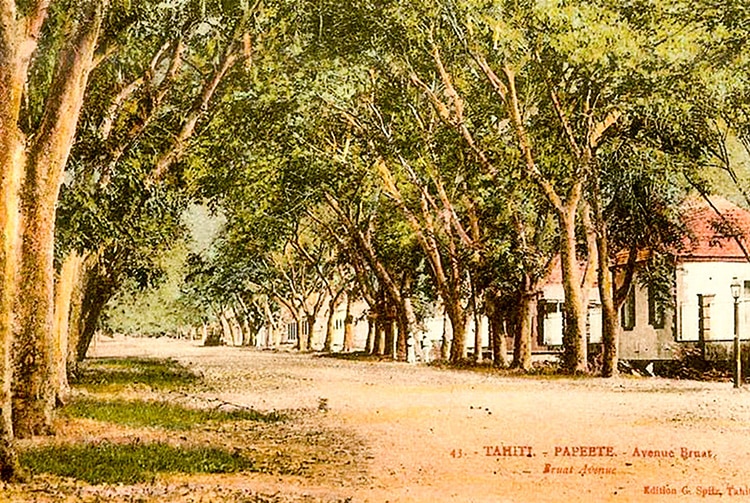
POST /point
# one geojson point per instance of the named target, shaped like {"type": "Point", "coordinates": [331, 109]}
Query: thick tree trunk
{"type": "Point", "coordinates": [457, 315]}
{"type": "Point", "coordinates": [310, 337]}
{"type": "Point", "coordinates": [33, 393]}
{"type": "Point", "coordinates": [574, 330]}
{"type": "Point", "coordinates": [11, 172]}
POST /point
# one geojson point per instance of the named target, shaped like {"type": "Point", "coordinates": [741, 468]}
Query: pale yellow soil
{"type": "Point", "coordinates": [426, 432]}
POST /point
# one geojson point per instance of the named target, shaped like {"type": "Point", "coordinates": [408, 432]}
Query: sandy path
{"type": "Point", "coordinates": [430, 431]}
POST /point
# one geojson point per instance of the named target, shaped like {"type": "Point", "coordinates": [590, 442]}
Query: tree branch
{"type": "Point", "coordinates": [51, 146]}
{"type": "Point", "coordinates": [176, 150]}
{"type": "Point", "coordinates": [561, 115]}
{"type": "Point", "coordinates": [600, 128]}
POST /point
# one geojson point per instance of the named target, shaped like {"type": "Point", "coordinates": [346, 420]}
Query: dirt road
{"type": "Point", "coordinates": [440, 435]}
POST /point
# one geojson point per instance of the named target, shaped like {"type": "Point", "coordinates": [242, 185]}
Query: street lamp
{"type": "Point", "coordinates": [735, 286]}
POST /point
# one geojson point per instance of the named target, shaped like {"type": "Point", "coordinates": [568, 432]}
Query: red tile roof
{"type": "Point", "coordinates": [555, 274]}
{"type": "Point", "coordinates": [711, 235]}
{"type": "Point", "coordinates": [714, 230]}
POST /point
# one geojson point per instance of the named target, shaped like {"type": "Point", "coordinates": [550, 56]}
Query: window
{"type": "Point", "coordinates": [655, 309]}
{"type": "Point", "coordinates": [627, 312]}
{"type": "Point", "coordinates": [291, 331]}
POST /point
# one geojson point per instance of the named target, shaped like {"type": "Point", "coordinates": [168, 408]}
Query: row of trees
{"type": "Point", "coordinates": [398, 151]}
{"type": "Point", "coordinates": [453, 151]}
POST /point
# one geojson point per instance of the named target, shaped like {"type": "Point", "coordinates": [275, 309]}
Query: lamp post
{"type": "Point", "coordinates": [735, 286]}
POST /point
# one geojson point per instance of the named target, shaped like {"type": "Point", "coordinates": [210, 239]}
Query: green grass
{"type": "Point", "coordinates": [115, 374]}
{"type": "Point", "coordinates": [109, 463]}
{"type": "Point", "coordinates": [169, 416]}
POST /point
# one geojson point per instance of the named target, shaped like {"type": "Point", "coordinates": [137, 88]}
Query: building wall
{"type": "Point", "coordinates": [645, 341]}
{"type": "Point", "coordinates": [711, 280]}
{"type": "Point", "coordinates": [695, 282]}
{"type": "Point", "coordinates": [551, 318]}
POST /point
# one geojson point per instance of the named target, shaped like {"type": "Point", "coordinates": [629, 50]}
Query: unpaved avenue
{"type": "Point", "coordinates": [437, 435]}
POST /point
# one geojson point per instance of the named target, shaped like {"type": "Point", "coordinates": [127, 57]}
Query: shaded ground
{"type": "Point", "coordinates": [392, 432]}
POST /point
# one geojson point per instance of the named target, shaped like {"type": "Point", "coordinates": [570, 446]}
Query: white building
{"type": "Point", "coordinates": [703, 307]}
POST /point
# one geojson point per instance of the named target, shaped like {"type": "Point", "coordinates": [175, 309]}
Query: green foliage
{"type": "Point", "coordinates": [161, 308]}
{"type": "Point", "coordinates": [328, 93]}
{"type": "Point", "coordinates": [130, 463]}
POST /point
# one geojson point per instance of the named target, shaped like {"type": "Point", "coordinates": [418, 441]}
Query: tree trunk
{"type": "Point", "coordinates": [574, 330]}
{"type": "Point", "coordinates": [389, 337]}
{"type": "Point", "coordinates": [525, 319]}
{"type": "Point", "coordinates": [310, 332]}
{"type": "Point", "coordinates": [75, 319]}
{"type": "Point", "coordinates": [249, 331]}
{"type": "Point", "coordinates": [379, 341]}
{"type": "Point", "coordinates": [271, 341]}
{"type": "Point", "coordinates": [445, 344]}
{"type": "Point", "coordinates": [239, 326]}
{"type": "Point", "coordinates": [67, 281]}
{"type": "Point", "coordinates": [405, 321]}
{"type": "Point", "coordinates": [610, 336]}
{"type": "Point", "coordinates": [11, 173]}
{"type": "Point", "coordinates": [497, 332]}
{"type": "Point", "coordinates": [98, 288]}
{"type": "Point", "coordinates": [371, 329]}
{"type": "Point", "coordinates": [328, 341]}
{"type": "Point", "coordinates": [457, 315]}
{"type": "Point", "coordinates": [226, 329]}
{"type": "Point", "coordinates": [33, 393]}
{"type": "Point", "coordinates": [477, 324]}
{"type": "Point", "coordinates": [212, 336]}
{"type": "Point", "coordinates": [348, 325]}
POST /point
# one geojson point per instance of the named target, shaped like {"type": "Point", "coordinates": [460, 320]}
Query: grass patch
{"type": "Point", "coordinates": [169, 416]}
{"type": "Point", "coordinates": [114, 374]}
{"type": "Point", "coordinates": [110, 463]}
